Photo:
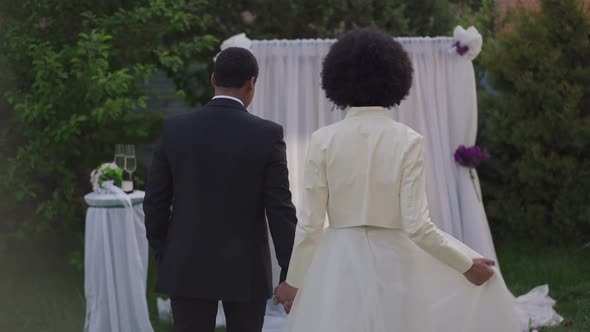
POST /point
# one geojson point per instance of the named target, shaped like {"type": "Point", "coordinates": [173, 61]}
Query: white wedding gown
{"type": "Point", "coordinates": [368, 279]}
{"type": "Point", "coordinates": [381, 265]}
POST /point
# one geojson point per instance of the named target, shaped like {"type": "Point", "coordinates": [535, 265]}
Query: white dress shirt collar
{"type": "Point", "coordinates": [365, 110]}
{"type": "Point", "coordinates": [229, 97]}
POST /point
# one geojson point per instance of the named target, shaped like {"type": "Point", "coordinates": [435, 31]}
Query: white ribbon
{"type": "Point", "coordinates": [110, 187]}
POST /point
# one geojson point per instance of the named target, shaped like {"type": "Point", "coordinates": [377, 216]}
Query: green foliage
{"type": "Point", "coordinates": [76, 74]}
{"type": "Point", "coordinates": [486, 18]}
{"type": "Point", "coordinates": [111, 174]}
{"type": "Point", "coordinates": [290, 19]}
{"type": "Point", "coordinates": [538, 124]}
{"type": "Point", "coordinates": [325, 19]}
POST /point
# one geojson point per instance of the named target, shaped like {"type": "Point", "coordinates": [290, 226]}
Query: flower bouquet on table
{"type": "Point", "coordinates": [108, 179]}
{"type": "Point", "coordinates": [471, 157]}
{"type": "Point", "coordinates": [104, 176]}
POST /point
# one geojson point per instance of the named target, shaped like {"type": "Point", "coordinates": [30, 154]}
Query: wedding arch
{"type": "Point", "coordinates": [442, 106]}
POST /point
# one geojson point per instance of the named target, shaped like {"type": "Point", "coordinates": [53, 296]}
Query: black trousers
{"type": "Point", "coordinates": [195, 315]}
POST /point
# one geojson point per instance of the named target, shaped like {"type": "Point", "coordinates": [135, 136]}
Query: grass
{"type": "Point", "coordinates": [41, 292]}
{"type": "Point", "coordinates": [567, 271]}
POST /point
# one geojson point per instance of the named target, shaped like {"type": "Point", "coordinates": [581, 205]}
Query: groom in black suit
{"type": "Point", "coordinates": [216, 174]}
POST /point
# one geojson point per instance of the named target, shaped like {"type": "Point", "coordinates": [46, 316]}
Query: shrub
{"type": "Point", "coordinates": [538, 125]}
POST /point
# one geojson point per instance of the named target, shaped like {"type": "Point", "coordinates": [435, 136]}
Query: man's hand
{"type": "Point", "coordinates": [285, 295]}
{"type": "Point", "coordinates": [480, 271]}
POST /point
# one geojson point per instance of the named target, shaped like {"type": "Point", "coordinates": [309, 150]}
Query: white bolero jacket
{"type": "Point", "coordinates": [367, 170]}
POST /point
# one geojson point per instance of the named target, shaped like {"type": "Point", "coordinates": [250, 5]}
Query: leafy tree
{"type": "Point", "coordinates": [538, 124]}
{"type": "Point", "coordinates": [75, 75]}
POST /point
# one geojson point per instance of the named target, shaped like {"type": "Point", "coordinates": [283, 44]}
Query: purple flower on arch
{"type": "Point", "coordinates": [461, 49]}
{"type": "Point", "coordinates": [471, 157]}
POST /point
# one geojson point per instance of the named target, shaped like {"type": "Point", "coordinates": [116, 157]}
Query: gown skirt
{"type": "Point", "coordinates": [369, 279]}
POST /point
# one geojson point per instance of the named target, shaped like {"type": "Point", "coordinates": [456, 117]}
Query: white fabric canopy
{"type": "Point", "coordinates": [115, 265]}
{"type": "Point", "coordinates": [442, 106]}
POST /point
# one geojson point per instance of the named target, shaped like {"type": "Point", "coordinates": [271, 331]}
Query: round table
{"type": "Point", "coordinates": [115, 264]}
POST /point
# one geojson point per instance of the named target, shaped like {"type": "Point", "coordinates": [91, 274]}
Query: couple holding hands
{"type": "Point", "coordinates": [380, 266]}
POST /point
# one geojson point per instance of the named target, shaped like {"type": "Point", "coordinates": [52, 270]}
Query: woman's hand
{"type": "Point", "coordinates": [480, 271]}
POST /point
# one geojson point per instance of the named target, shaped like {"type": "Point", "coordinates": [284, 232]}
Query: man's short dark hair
{"type": "Point", "coordinates": [234, 66]}
{"type": "Point", "coordinates": [366, 67]}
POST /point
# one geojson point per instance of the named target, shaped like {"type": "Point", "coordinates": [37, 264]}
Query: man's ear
{"type": "Point", "coordinates": [252, 82]}
{"type": "Point", "coordinates": [213, 81]}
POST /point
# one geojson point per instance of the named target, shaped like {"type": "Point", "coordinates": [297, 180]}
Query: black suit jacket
{"type": "Point", "coordinates": [215, 174]}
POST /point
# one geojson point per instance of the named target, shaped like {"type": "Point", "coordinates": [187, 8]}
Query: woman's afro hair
{"type": "Point", "coordinates": [366, 67]}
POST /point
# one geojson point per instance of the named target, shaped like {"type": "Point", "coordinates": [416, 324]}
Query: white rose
{"type": "Point", "coordinates": [235, 41]}
{"type": "Point", "coordinates": [94, 176]}
{"type": "Point", "coordinates": [470, 38]}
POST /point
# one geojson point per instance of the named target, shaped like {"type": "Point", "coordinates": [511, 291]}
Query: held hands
{"type": "Point", "coordinates": [285, 295]}
{"type": "Point", "coordinates": [480, 271]}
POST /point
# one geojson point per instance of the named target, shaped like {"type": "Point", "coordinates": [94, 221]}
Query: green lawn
{"type": "Point", "coordinates": [567, 271]}
{"type": "Point", "coordinates": [40, 292]}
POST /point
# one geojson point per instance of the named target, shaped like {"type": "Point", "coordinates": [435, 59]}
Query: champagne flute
{"type": "Point", "coordinates": [130, 164]}
{"type": "Point", "coordinates": [119, 155]}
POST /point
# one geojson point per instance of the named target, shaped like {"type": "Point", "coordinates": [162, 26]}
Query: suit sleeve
{"type": "Point", "coordinates": [415, 213]}
{"type": "Point", "coordinates": [280, 210]}
{"type": "Point", "coordinates": [158, 200]}
{"type": "Point", "coordinates": [312, 214]}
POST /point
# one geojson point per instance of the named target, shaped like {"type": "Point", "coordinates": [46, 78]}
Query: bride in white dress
{"type": "Point", "coordinates": [381, 265]}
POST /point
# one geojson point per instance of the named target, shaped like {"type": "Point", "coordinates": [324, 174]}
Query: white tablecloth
{"type": "Point", "coordinates": [115, 265]}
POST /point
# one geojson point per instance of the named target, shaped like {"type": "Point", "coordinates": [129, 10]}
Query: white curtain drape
{"type": "Point", "coordinates": [442, 106]}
